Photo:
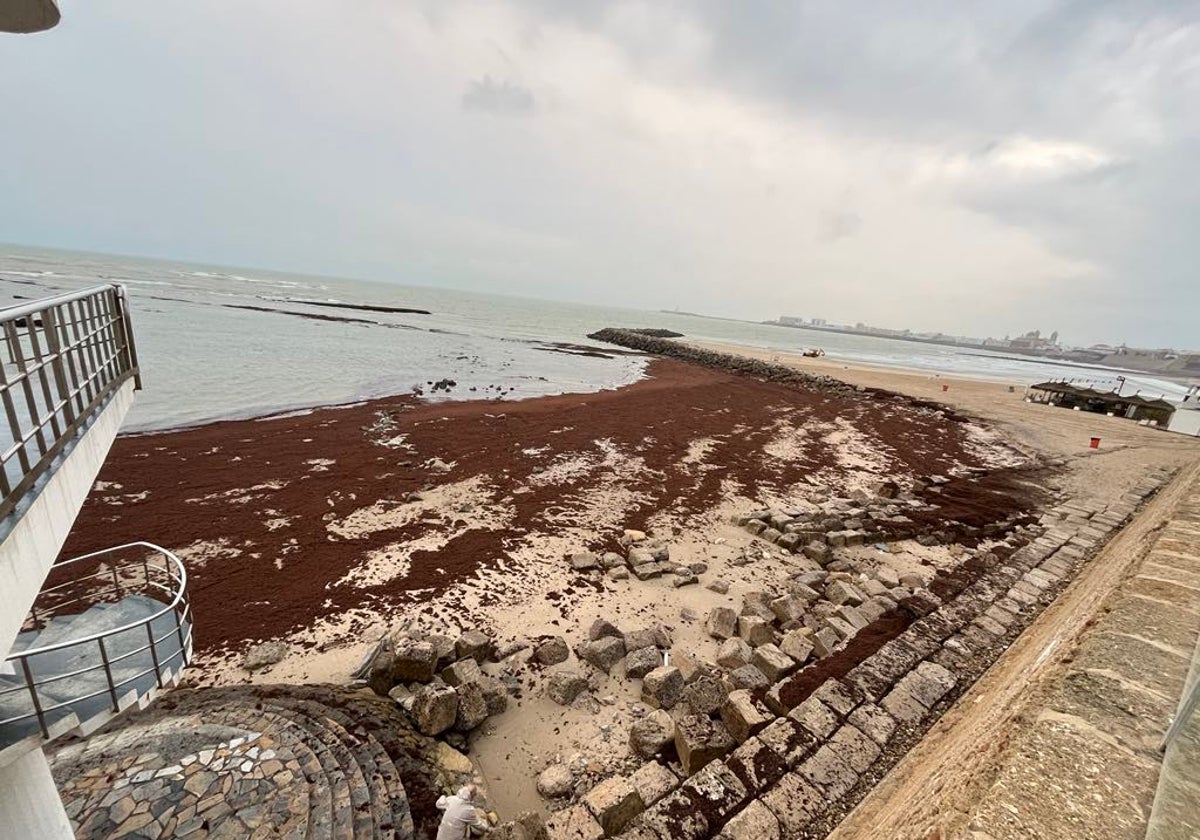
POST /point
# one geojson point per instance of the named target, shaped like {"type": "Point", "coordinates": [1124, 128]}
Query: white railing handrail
{"type": "Point", "coordinates": [176, 600]}
{"type": "Point", "coordinates": [22, 310]}
{"type": "Point", "coordinates": [61, 360]}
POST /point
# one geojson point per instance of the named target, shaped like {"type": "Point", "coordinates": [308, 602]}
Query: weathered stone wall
{"type": "Point", "coordinates": [795, 772]}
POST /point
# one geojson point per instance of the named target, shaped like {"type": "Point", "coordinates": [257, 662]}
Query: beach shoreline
{"type": "Point", "coordinates": [329, 528]}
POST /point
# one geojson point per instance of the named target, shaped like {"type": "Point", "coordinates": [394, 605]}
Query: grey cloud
{"type": "Point", "coordinates": [498, 97]}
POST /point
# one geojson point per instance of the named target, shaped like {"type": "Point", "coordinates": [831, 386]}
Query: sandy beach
{"type": "Point", "coordinates": [331, 528]}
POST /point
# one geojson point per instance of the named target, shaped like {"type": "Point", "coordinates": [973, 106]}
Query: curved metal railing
{"type": "Point", "coordinates": [138, 594]}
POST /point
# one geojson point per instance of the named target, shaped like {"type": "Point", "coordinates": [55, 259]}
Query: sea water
{"type": "Point", "coordinates": [206, 356]}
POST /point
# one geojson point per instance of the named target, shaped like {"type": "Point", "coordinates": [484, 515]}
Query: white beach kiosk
{"type": "Point", "coordinates": [1186, 419]}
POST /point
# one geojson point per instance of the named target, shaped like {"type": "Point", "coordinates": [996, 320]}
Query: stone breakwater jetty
{"type": "Point", "coordinates": [780, 374]}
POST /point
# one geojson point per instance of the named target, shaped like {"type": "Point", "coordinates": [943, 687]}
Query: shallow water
{"type": "Point", "coordinates": [204, 359]}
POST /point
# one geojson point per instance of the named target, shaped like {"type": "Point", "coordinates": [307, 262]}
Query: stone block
{"type": "Point", "coordinates": [867, 681]}
{"type": "Point", "coordinates": [676, 817]}
{"type": "Point", "coordinates": [854, 748]}
{"type": "Point", "coordinates": [825, 642]}
{"type": "Point", "coordinates": [552, 651]}
{"type": "Point", "coordinates": [494, 694]}
{"type": "Point", "coordinates": [734, 653]}
{"type": "Point", "coordinates": [699, 740]}
{"type": "Point", "coordinates": [787, 608]}
{"type": "Point", "coordinates": [902, 705]}
{"type": "Point", "coordinates": [434, 708]}
{"type": "Point", "coordinates": [705, 695]}
{"type": "Point", "coordinates": [555, 781]}
{"type": "Point", "coordinates": [414, 661]}
{"type": "Point", "coordinates": [816, 717]}
{"type": "Point", "coordinates": [647, 571]}
{"type": "Point", "coordinates": [642, 661]}
{"type": "Point", "coordinates": [472, 706]}
{"type": "Point", "coordinates": [876, 607]}
{"type": "Point", "coordinates": [837, 696]}
{"type": "Point", "coordinates": [755, 630]}
{"type": "Point", "coordinates": [564, 686]}
{"type": "Point", "coordinates": [826, 771]}
{"type": "Point", "coordinates": [743, 716]}
{"type": "Point", "coordinates": [873, 722]}
{"type": "Point", "coordinates": [842, 592]}
{"type": "Point", "coordinates": [574, 823]}
{"type": "Point", "coordinates": [845, 631]}
{"type": "Point", "coordinates": [852, 616]}
{"type": "Point", "coordinates": [722, 623]}
{"type": "Point", "coordinates": [933, 684]}
{"type": "Point", "coordinates": [638, 639]}
{"type": "Point", "coordinates": [788, 541]}
{"type": "Point", "coordinates": [818, 551]}
{"type": "Point", "coordinates": [603, 653]}
{"type": "Point", "coordinates": [716, 792]}
{"type": "Point", "coordinates": [653, 781]}
{"type": "Point", "coordinates": [756, 765]}
{"type": "Point", "coordinates": [473, 644]}
{"type": "Point", "coordinates": [774, 697]}
{"type": "Point", "coordinates": [602, 628]}
{"type": "Point", "coordinates": [788, 740]}
{"type": "Point", "coordinates": [649, 735]}
{"type": "Point", "coordinates": [748, 677]}
{"type": "Point", "coordinates": [585, 561]}
{"type": "Point", "coordinates": [796, 803]}
{"type": "Point", "coordinates": [662, 687]}
{"type": "Point", "coordinates": [611, 560]}
{"type": "Point", "coordinates": [754, 822]}
{"type": "Point", "coordinates": [463, 671]}
{"type": "Point", "coordinates": [614, 803]}
{"type": "Point", "coordinates": [798, 645]}
{"type": "Point", "coordinates": [773, 662]}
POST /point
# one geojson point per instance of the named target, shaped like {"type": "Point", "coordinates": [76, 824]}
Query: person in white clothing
{"type": "Point", "coordinates": [460, 816]}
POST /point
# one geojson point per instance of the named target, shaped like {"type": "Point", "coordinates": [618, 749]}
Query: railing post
{"type": "Point", "coordinates": [183, 658]}
{"type": "Point", "coordinates": [154, 652]}
{"type": "Point", "coordinates": [54, 348]}
{"type": "Point", "coordinates": [125, 333]}
{"type": "Point", "coordinates": [37, 703]}
{"type": "Point", "coordinates": [112, 687]}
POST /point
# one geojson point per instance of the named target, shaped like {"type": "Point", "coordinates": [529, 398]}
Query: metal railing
{"type": "Point", "coordinates": [62, 358]}
{"type": "Point", "coordinates": [98, 673]}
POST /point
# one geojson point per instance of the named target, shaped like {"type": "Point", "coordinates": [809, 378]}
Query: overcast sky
{"type": "Point", "coordinates": [965, 167]}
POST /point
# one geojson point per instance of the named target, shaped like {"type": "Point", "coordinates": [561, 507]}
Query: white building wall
{"type": "Point", "coordinates": [1185, 421]}
{"type": "Point", "coordinates": [30, 808]}
{"type": "Point", "coordinates": [37, 537]}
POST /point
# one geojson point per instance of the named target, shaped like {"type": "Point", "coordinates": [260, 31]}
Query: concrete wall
{"type": "Point", "coordinates": [29, 803]}
{"type": "Point", "coordinates": [1185, 421]}
{"type": "Point", "coordinates": [37, 537]}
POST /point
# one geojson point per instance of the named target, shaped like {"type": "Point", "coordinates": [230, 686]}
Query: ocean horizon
{"type": "Point", "coordinates": [219, 342]}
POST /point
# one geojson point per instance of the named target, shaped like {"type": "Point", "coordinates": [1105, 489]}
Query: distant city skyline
{"type": "Point", "coordinates": [954, 166]}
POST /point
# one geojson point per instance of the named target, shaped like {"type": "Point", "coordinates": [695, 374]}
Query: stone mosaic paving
{"type": "Point", "coordinates": [298, 762]}
{"type": "Point", "coordinates": [245, 787]}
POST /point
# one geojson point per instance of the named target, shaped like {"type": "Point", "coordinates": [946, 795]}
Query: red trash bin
{"type": "Point", "coordinates": [1095, 444]}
